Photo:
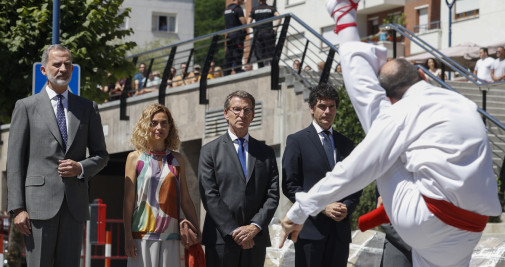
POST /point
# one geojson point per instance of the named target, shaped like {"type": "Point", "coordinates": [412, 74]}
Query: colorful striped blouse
{"type": "Point", "coordinates": [157, 205]}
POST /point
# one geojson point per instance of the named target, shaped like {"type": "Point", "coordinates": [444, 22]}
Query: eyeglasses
{"type": "Point", "coordinates": [163, 124]}
{"type": "Point", "coordinates": [237, 110]}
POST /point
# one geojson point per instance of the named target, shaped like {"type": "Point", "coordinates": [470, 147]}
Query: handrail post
{"type": "Point", "coordinates": [483, 91]}
{"type": "Point", "coordinates": [443, 72]}
{"type": "Point", "coordinates": [303, 56]}
{"type": "Point", "coordinates": [163, 86]}
{"type": "Point", "coordinates": [124, 95]}
{"type": "Point", "coordinates": [327, 67]}
{"type": "Point", "coordinates": [253, 46]}
{"type": "Point", "coordinates": [147, 71]}
{"type": "Point", "coordinates": [274, 78]}
{"type": "Point", "coordinates": [205, 71]}
{"type": "Point", "coordinates": [187, 63]}
{"type": "Point", "coordinates": [394, 43]}
{"type": "Point", "coordinates": [502, 180]}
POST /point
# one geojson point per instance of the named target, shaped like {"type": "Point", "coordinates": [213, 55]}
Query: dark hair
{"type": "Point", "coordinates": [434, 61]}
{"type": "Point", "coordinates": [239, 94]}
{"type": "Point", "coordinates": [398, 77]}
{"type": "Point", "coordinates": [323, 91]}
{"type": "Point", "coordinates": [485, 50]}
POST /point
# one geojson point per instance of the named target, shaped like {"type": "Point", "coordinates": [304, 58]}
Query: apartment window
{"type": "Point", "coordinates": [423, 19]}
{"type": "Point", "coordinates": [373, 25]}
{"type": "Point", "coordinates": [328, 34]}
{"type": "Point", "coordinates": [466, 8]}
{"type": "Point", "coordinates": [163, 23]}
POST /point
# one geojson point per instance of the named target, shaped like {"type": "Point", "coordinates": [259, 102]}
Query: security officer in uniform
{"type": "Point", "coordinates": [233, 17]}
{"type": "Point", "coordinates": [264, 34]}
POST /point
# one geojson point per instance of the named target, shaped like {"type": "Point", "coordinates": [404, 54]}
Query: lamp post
{"type": "Point", "coordinates": [56, 21]}
{"type": "Point", "coordinates": [450, 5]}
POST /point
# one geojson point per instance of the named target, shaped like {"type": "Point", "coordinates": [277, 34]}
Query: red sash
{"type": "Point", "coordinates": [443, 210]}
{"type": "Point", "coordinates": [456, 216]}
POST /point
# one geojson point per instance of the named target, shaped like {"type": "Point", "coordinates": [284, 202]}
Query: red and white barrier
{"type": "Point", "coordinates": [108, 248]}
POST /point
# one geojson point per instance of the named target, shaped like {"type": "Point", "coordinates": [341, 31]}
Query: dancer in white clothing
{"type": "Point", "coordinates": [427, 147]}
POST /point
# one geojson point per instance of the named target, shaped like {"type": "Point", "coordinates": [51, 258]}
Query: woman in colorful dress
{"type": "Point", "coordinates": [155, 191]}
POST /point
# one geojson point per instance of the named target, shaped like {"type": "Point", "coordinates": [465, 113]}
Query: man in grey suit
{"type": "Point", "coordinates": [239, 188]}
{"type": "Point", "coordinates": [47, 167]}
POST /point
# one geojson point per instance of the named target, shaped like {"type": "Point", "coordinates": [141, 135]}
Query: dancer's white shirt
{"type": "Point", "coordinates": [433, 138]}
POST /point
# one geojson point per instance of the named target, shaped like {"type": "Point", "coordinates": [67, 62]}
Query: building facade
{"type": "Point", "coordinates": [477, 21]}
{"type": "Point", "coordinates": [159, 21]}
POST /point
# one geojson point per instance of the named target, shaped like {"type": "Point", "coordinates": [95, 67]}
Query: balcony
{"type": "Point", "coordinates": [431, 33]}
{"type": "Point", "coordinates": [434, 25]}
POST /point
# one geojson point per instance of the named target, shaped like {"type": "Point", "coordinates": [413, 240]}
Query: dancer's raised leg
{"type": "Point", "coordinates": [344, 14]}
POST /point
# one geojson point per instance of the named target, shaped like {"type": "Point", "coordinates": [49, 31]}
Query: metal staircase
{"type": "Point", "coordinates": [295, 40]}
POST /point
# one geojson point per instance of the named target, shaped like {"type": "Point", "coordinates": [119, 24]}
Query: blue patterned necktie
{"type": "Point", "coordinates": [62, 122]}
{"type": "Point", "coordinates": [328, 148]}
{"type": "Point", "coordinates": [241, 156]}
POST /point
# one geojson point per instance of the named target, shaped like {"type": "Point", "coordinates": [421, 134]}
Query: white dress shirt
{"type": "Point", "coordinates": [321, 135]}
{"type": "Point", "coordinates": [54, 102]}
{"type": "Point", "coordinates": [234, 138]}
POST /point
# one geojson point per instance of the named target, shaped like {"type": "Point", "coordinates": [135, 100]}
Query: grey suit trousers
{"type": "Point", "coordinates": [41, 244]}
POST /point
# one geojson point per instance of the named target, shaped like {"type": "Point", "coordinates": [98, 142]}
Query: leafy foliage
{"type": "Point", "coordinates": [347, 123]}
{"type": "Point", "coordinates": [90, 29]}
{"type": "Point", "coordinates": [209, 18]}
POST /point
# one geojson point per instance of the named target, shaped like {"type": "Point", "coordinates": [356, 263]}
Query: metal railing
{"type": "Point", "coordinates": [427, 27]}
{"type": "Point", "coordinates": [293, 40]}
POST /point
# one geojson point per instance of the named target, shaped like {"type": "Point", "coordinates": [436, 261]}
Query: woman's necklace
{"type": "Point", "coordinates": [157, 153]}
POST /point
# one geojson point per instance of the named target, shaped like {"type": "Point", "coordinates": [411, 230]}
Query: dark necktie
{"type": "Point", "coordinates": [328, 148]}
{"type": "Point", "coordinates": [62, 123]}
{"type": "Point", "coordinates": [241, 156]}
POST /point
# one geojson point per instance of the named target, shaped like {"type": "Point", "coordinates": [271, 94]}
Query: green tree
{"type": "Point", "coordinates": [90, 29]}
{"type": "Point", "coordinates": [347, 123]}
{"type": "Point", "coordinates": [209, 18]}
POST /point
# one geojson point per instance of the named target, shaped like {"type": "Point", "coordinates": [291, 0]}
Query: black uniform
{"type": "Point", "coordinates": [235, 42]}
{"type": "Point", "coordinates": [264, 35]}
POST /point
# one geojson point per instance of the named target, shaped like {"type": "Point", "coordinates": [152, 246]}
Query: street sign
{"type": "Point", "coordinates": [40, 81]}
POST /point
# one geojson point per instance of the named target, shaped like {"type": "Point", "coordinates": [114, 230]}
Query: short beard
{"type": "Point", "coordinates": [58, 82]}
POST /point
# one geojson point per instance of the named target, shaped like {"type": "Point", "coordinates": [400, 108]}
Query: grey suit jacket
{"type": "Point", "coordinates": [35, 146]}
{"type": "Point", "coordinates": [230, 202]}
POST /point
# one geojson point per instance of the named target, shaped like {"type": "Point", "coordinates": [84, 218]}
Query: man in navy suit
{"type": "Point", "coordinates": [309, 154]}
{"type": "Point", "coordinates": [239, 188]}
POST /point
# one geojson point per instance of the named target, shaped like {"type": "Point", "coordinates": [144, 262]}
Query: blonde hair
{"type": "Point", "coordinates": [218, 71]}
{"type": "Point", "coordinates": [142, 130]}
